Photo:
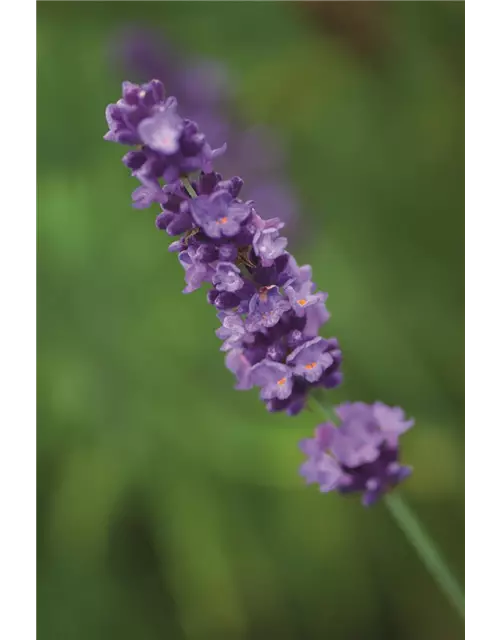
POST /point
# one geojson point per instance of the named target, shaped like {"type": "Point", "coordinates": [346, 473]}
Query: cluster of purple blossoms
{"type": "Point", "coordinates": [361, 454]}
{"type": "Point", "coordinates": [205, 89]}
{"type": "Point", "coordinates": [170, 146]}
{"type": "Point", "coordinates": [269, 309]}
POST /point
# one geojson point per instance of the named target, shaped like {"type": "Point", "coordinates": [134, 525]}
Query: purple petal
{"type": "Point", "coordinates": [162, 131]}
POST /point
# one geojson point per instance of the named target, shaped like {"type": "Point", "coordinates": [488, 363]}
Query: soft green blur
{"type": "Point", "coordinates": [169, 503]}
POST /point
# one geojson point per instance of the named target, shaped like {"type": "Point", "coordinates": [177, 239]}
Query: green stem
{"type": "Point", "coordinates": [427, 550]}
{"type": "Point", "coordinates": [416, 534]}
{"type": "Point", "coordinates": [189, 188]}
{"type": "Point", "coordinates": [327, 412]}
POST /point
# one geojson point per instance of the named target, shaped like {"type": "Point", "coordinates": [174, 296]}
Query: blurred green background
{"type": "Point", "coordinates": [170, 504]}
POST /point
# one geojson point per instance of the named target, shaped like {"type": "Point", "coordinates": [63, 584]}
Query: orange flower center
{"type": "Point", "coordinates": [302, 302]}
{"type": "Point", "coordinates": [263, 293]}
{"type": "Point", "coordinates": [282, 381]}
{"type": "Point", "coordinates": [311, 365]}
{"type": "Point", "coordinates": [222, 220]}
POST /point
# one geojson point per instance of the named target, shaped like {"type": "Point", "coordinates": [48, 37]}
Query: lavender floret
{"type": "Point", "coordinates": [219, 215]}
{"type": "Point", "coordinates": [311, 359]}
{"type": "Point", "coordinates": [227, 277]}
{"type": "Point", "coordinates": [273, 378]}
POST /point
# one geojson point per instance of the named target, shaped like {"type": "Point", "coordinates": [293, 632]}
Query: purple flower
{"type": "Point", "coordinates": [268, 244]}
{"type": "Point", "coordinates": [333, 377]}
{"type": "Point", "coordinates": [302, 296]}
{"type": "Point", "coordinates": [134, 159]}
{"type": "Point", "coordinates": [324, 471]}
{"type": "Point", "coordinates": [228, 252]}
{"type": "Point", "coordinates": [274, 275]}
{"type": "Point", "coordinates": [310, 359]}
{"type": "Point", "coordinates": [295, 275]}
{"type": "Point", "coordinates": [219, 214]}
{"type": "Point", "coordinates": [266, 309]}
{"type": "Point", "coordinates": [233, 185]}
{"type": "Point", "coordinates": [295, 338]}
{"type": "Point", "coordinates": [292, 405]}
{"type": "Point", "coordinates": [163, 219]}
{"type": "Point", "coordinates": [375, 478]}
{"type": "Point", "coordinates": [362, 453]}
{"type": "Point", "coordinates": [179, 221]}
{"type": "Point", "coordinates": [136, 104]}
{"type": "Point", "coordinates": [273, 378]}
{"type": "Point", "coordinates": [207, 253]}
{"type": "Point", "coordinates": [227, 277]}
{"type": "Point", "coordinates": [316, 316]}
{"type": "Point", "coordinates": [163, 129]}
{"type": "Point", "coordinates": [238, 364]}
{"type": "Point", "coordinates": [392, 421]}
{"type": "Point", "coordinates": [225, 300]}
{"type": "Point", "coordinates": [196, 272]}
{"type": "Point", "coordinates": [277, 351]}
{"type": "Point", "coordinates": [321, 468]}
{"type": "Point", "coordinates": [358, 439]}
{"type": "Point", "coordinates": [232, 331]}
{"type": "Point", "coordinates": [144, 197]}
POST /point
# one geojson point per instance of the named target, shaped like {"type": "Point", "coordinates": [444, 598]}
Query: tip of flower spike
{"type": "Point", "coordinates": [174, 145]}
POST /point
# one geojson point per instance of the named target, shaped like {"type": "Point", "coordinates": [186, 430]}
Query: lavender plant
{"type": "Point", "coordinates": [269, 308]}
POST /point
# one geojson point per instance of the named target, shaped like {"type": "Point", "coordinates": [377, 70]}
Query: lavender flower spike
{"type": "Point", "coordinates": [268, 305]}
{"type": "Point", "coordinates": [269, 308]}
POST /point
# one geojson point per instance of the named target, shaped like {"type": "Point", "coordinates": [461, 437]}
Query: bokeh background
{"type": "Point", "coordinates": [170, 504]}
